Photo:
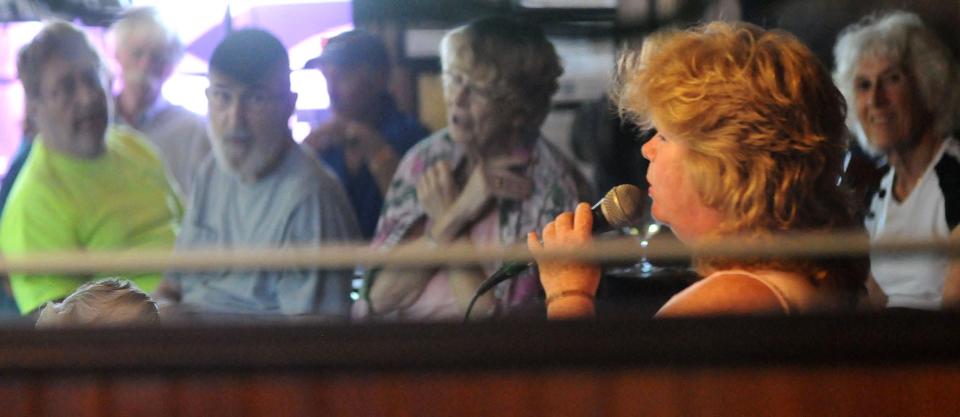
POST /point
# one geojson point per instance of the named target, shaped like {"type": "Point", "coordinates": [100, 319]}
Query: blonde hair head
{"type": "Point", "coordinates": [761, 117]}
{"type": "Point", "coordinates": [106, 302]}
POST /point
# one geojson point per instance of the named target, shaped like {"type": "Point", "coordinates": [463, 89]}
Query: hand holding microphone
{"type": "Point", "coordinates": [570, 286]}
{"type": "Point", "coordinates": [622, 206]}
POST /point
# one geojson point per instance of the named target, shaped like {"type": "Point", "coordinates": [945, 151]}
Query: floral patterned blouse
{"type": "Point", "coordinates": [558, 186]}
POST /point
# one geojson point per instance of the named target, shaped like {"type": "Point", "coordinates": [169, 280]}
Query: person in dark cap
{"type": "Point", "coordinates": [259, 190]}
{"type": "Point", "coordinates": [367, 134]}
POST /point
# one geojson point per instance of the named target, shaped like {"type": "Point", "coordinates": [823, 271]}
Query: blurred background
{"type": "Point", "coordinates": [587, 34]}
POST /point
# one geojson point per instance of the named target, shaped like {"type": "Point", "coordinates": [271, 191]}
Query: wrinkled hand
{"type": "Point", "coordinates": [436, 191]}
{"type": "Point", "coordinates": [495, 178]}
{"type": "Point", "coordinates": [570, 285]}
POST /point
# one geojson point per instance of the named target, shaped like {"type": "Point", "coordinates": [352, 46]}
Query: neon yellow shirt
{"type": "Point", "coordinates": [120, 200]}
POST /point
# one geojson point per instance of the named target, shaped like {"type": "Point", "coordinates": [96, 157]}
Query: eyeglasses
{"type": "Point", "coordinates": [66, 88]}
{"type": "Point", "coordinates": [253, 100]}
{"type": "Point", "coordinates": [454, 82]}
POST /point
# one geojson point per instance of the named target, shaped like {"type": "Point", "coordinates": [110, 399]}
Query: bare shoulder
{"type": "Point", "coordinates": [724, 294]}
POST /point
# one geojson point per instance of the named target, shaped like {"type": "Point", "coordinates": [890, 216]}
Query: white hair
{"type": "Point", "coordinates": [511, 57]}
{"type": "Point", "coordinates": [107, 302]}
{"type": "Point", "coordinates": [901, 37]}
{"type": "Point", "coordinates": [147, 20]}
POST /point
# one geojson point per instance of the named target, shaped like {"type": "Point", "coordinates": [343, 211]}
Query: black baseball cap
{"type": "Point", "coordinates": [350, 49]}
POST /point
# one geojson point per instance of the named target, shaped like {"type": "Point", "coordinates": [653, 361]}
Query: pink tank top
{"type": "Point", "coordinates": [437, 301]}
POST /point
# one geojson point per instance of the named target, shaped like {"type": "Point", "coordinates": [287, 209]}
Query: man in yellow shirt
{"type": "Point", "coordinates": [86, 185]}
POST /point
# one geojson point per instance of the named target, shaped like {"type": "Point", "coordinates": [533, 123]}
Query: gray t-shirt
{"type": "Point", "coordinates": [300, 203]}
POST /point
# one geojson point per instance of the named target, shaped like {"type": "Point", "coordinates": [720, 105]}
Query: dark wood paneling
{"type": "Point", "coordinates": [342, 395]}
{"type": "Point", "coordinates": [19, 396]}
{"type": "Point", "coordinates": [697, 343]}
{"type": "Point", "coordinates": [741, 391]}
{"type": "Point", "coordinates": [811, 366]}
{"type": "Point", "coordinates": [284, 396]}
{"type": "Point", "coordinates": [75, 396]}
{"type": "Point", "coordinates": [140, 396]}
{"type": "Point", "coordinates": [207, 395]}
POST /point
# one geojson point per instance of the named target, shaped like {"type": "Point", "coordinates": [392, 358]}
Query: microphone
{"type": "Point", "coordinates": [622, 206]}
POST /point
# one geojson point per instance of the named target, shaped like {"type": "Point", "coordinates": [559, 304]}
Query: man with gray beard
{"type": "Point", "coordinates": [259, 190]}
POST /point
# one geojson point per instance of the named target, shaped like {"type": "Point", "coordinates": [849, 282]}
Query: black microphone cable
{"type": "Point", "coordinates": [506, 272]}
{"type": "Point", "coordinates": [622, 206]}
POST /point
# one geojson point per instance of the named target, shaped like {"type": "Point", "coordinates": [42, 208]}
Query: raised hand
{"type": "Point", "coordinates": [340, 130]}
{"type": "Point", "coordinates": [494, 178]}
{"type": "Point", "coordinates": [570, 286]}
{"type": "Point", "coordinates": [436, 191]}
{"type": "Point", "coordinates": [488, 180]}
{"type": "Point", "coordinates": [332, 133]}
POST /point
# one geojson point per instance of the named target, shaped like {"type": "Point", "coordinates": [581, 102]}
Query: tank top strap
{"type": "Point", "coordinates": [781, 297]}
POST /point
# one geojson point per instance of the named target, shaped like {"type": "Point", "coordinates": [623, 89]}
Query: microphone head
{"type": "Point", "coordinates": [623, 206]}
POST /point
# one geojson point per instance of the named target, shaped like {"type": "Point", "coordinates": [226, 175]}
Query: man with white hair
{"type": "Point", "coordinates": [147, 50]}
{"type": "Point", "coordinates": [259, 190]}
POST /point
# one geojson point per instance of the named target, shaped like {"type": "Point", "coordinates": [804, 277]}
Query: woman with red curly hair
{"type": "Point", "coordinates": [749, 143]}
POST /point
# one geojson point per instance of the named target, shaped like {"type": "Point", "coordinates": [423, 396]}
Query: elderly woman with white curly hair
{"type": "Point", "coordinates": [486, 179]}
{"type": "Point", "coordinates": [903, 90]}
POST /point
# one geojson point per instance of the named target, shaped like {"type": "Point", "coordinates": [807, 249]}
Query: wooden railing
{"type": "Point", "coordinates": [892, 364]}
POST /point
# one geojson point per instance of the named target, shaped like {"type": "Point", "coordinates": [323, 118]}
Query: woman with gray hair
{"type": "Point", "coordinates": [488, 178]}
{"type": "Point", "coordinates": [901, 87]}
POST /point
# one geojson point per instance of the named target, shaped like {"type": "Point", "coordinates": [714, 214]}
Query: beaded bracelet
{"type": "Point", "coordinates": [568, 293]}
